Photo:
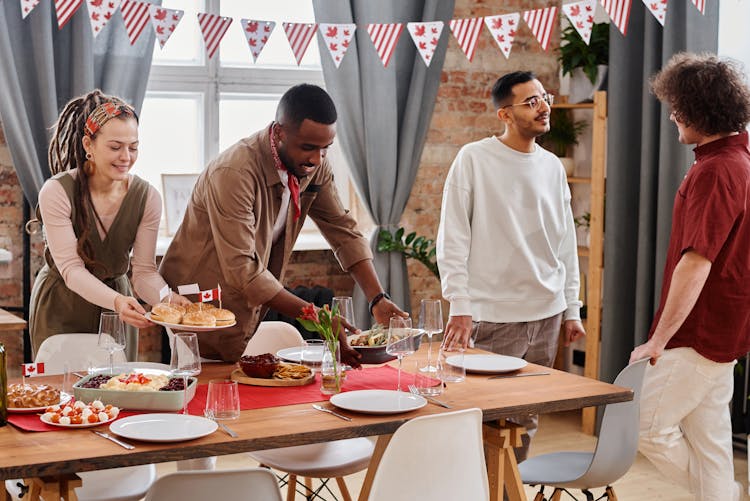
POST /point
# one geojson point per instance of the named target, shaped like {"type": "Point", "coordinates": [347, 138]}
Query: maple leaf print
{"type": "Point", "coordinates": [334, 47]}
{"type": "Point", "coordinates": [111, 5]}
{"type": "Point", "coordinates": [346, 33]}
{"type": "Point", "coordinates": [95, 16]}
{"type": "Point", "coordinates": [588, 8]}
{"type": "Point", "coordinates": [422, 45]}
{"type": "Point", "coordinates": [579, 25]}
{"type": "Point", "coordinates": [108, 16]}
{"type": "Point", "coordinates": [171, 28]}
{"type": "Point", "coordinates": [175, 17]}
{"type": "Point", "coordinates": [501, 38]}
{"type": "Point", "coordinates": [160, 15]}
{"type": "Point", "coordinates": [332, 31]}
{"type": "Point", "coordinates": [264, 39]}
{"type": "Point", "coordinates": [434, 41]}
{"type": "Point", "coordinates": [345, 44]}
{"type": "Point", "coordinates": [434, 30]}
{"type": "Point", "coordinates": [427, 56]}
{"type": "Point", "coordinates": [267, 28]}
{"type": "Point", "coordinates": [497, 24]}
{"type": "Point", "coordinates": [512, 33]}
{"type": "Point", "coordinates": [654, 6]}
{"type": "Point", "coordinates": [252, 27]}
{"type": "Point", "coordinates": [419, 30]}
{"type": "Point", "coordinates": [252, 42]}
{"type": "Point", "coordinates": [160, 30]}
{"type": "Point", "coordinates": [575, 11]}
{"type": "Point", "coordinates": [96, 3]}
{"type": "Point", "coordinates": [511, 22]}
{"type": "Point", "coordinates": [590, 19]}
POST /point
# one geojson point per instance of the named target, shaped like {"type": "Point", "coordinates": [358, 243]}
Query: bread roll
{"type": "Point", "coordinates": [24, 396]}
{"type": "Point", "coordinates": [199, 307]}
{"type": "Point", "coordinates": [199, 318]}
{"type": "Point", "coordinates": [163, 312]}
{"type": "Point", "coordinates": [223, 317]}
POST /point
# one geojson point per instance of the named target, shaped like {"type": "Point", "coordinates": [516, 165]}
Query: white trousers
{"type": "Point", "coordinates": [686, 429]}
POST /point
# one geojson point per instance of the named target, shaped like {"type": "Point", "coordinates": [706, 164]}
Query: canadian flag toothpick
{"type": "Point", "coordinates": [210, 295]}
{"type": "Point", "coordinates": [164, 21]}
{"type": "Point", "coordinates": [135, 16]}
{"type": "Point", "coordinates": [33, 369]}
{"type": "Point", "coordinates": [503, 29]}
{"type": "Point", "coordinates": [467, 32]}
{"type": "Point", "coordinates": [184, 290]}
{"type": "Point", "coordinates": [337, 38]}
{"type": "Point", "coordinates": [257, 33]}
{"type": "Point", "coordinates": [426, 38]}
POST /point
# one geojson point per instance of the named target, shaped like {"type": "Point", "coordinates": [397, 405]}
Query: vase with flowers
{"type": "Point", "coordinates": [321, 321]}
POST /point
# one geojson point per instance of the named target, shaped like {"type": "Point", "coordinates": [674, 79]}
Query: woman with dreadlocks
{"type": "Point", "coordinates": [94, 213]}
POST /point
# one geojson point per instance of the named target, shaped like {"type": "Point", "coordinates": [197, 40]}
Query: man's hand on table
{"type": "Point", "coordinates": [457, 333]}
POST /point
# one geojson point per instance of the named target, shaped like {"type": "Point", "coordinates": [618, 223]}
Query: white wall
{"type": "Point", "coordinates": [734, 39]}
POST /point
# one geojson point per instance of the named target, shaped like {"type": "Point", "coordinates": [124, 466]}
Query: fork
{"type": "Point", "coordinates": [329, 411]}
{"type": "Point", "coordinates": [435, 401]}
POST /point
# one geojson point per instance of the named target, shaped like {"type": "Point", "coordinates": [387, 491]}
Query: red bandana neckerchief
{"type": "Point", "coordinates": [291, 178]}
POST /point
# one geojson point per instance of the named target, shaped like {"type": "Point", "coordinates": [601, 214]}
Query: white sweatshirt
{"type": "Point", "coordinates": [506, 245]}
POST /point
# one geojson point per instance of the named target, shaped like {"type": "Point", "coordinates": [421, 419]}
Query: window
{"type": "Point", "coordinates": [196, 107]}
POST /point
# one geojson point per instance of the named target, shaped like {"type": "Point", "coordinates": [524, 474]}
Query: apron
{"type": "Point", "coordinates": [55, 309]}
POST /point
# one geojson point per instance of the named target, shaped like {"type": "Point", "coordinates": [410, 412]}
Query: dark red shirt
{"type": "Point", "coordinates": [711, 216]}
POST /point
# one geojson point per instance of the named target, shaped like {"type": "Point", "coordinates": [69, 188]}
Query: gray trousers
{"type": "Point", "coordinates": [535, 342]}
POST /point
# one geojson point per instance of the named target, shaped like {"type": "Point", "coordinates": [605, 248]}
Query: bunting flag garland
{"type": "Point", "coordinates": [135, 16]}
{"type": "Point", "coordinates": [503, 29]}
{"type": "Point", "coordinates": [618, 12]}
{"type": "Point", "coordinates": [337, 39]}
{"type": "Point", "coordinates": [385, 37]}
{"type": "Point", "coordinates": [213, 28]}
{"type": "Point", "coordinates": [426, 37]}
{"type": "Point", "coordinates": [658, 8]}
{"type": "Point", "coordinates": [700, 5]}
{"type": "Point", "coordinates": [581, 15]}
{"type": "Point", "coordinates": [467, 32]}
{"type": "Point", "coordinates": [299, 36]}
{"type": "Point", "coordinates": [65, 10]}
{"type": "Point", "coordinates": [100, 12]}
{"type": "Point", "coordinates": [27, 6]}
{"type": "Point", "coordinates": [257, 33]}
{"type": "Point", "coordinates": [164, 22]}
{"type": "Point", "coordinates": [541, 22]}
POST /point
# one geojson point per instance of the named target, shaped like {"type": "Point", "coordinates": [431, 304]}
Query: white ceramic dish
{"type": "Point", "coordinates": [189, 328]}
{"type": "Point", "coordinates": [378, 401]}
{"type": "Point", "coordinates": [142, 367]}
{"type": "Point", "coordinates": [313, 354]}
{"type": "Point", "coordinates": [487, 364]}
{"type": "Point", "coordinates": [82, 425]}
{"type": "Point", "coordinates": [142, 400]}
{"type": "Point", "coordinates": [64, 399]}
{"type": "Point", "coordinates": [163, 427]}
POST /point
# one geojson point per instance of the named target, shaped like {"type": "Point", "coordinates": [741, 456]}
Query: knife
{"type": "Point", "coordinates": [113, 439]}
{"type": "Point", "coordinates": [524, 374]}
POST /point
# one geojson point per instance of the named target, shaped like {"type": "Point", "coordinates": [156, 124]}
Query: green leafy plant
{"type": "Point", "coordinates": [583, 221]}
{"type": "Point", "coordinates": [564, 131]}
{"type": "Point", "coordinates": [412, 246]}
{"type": "Point", "coordinates": [574, 53]}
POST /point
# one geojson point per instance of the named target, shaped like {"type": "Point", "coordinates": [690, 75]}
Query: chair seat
{"type": "Point", "coordinates": [558, 468]}
{"type": "Point", "coordinates": [324, 460]}
{"type": "Point", "coordinates": [117, 484]}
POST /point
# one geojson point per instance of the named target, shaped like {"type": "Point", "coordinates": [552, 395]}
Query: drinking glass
{"type": "Point", "coordinates": [111, 335]}
{"type": "Point", "coordinates": [222, 399]}
{"type": "Point", "coordinates": [455, 372]}
{"type": "Point", "coordinates": [431, 322]}
{"type": "Point", "coordinates": [185, 361]}
{"type": "Point", "coordinates": [311, 353]}
{"type": "Point", "coordinates": [400, 341]}
{"type": "Point", "coordinates": [345, 308]}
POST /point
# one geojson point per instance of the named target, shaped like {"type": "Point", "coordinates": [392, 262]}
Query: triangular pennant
{"type": "Point", "coordinates": [337, 38]}
{"type": "Point", "coordinates": [27, 6]}
{"type": "Point", "coordinates": [100, 12]}
{"type": "Point", "coordinates": [658, 8]}
{"type": "Point", "coordinates": [164, 22]}
{"type": "Point", "coordinates": [618, 12]}
{"type": "Point", "coordinates": [426, 36]}
{"type": "Point", "coordinates": [135, 16]}
{"type": "Point", "coordinates": [385, 37]}
{"type": "Point", "coordinates": [257, 33]}
{"type": "Point", "coordinates": [541, 22]}
{"type": "Point", "coordinates": [299, 36]}
{"type": "Point", "coordinates": [213, 28]}
{"type": "Point", "coordinates": [503, 29]}
{"type": "Point", "coordinates": [467, 32]}
{"type": "Point", "coordinates": [65, 10]}
{"type": "Point", "coordinates": [581, 15]}
{"type": "Point", "coordinates": [700, 5]}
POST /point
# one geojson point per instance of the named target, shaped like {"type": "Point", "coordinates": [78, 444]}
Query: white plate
{"type": "Point", "coordinates": [378, 401]}
{"type": "Point", "coordinates": [313, 354]}
{"type": "Point", "coordinates": [189, 328]}
{"type": "Point", "coordinates": [163, 427]}
{"type": "Point", "coordinates": [64, 399]}
{"type": "Point", "coordinates": [487, 364]}
{"type": "Point", "coordinates": [82, 425]}
{"type": "Point", "coordinates": [148, 368]}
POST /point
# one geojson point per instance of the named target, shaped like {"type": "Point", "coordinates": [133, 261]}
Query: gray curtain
{"type": "Point", "coordinates": [42, 68]}
{"type": "Point", "coordinates": [645, 164]}
{"type": "Point", "coordinates": [384, 115]}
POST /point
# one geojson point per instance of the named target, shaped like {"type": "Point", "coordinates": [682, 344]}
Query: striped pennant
{"type": "Point", "coordinates": [100, 12]}
{"type": "Point", "coordinates": [700, 5]}
{"type": "Point", "coordinates": [385, 37]}
{"type": "Point", "coordinates": [65, 10]}
{"type": "Point", "coordinates": [467, 32]}
{"type": "Point", "coordinates": [213, 28]}
{"type": "Point", "coordinates": [581, 16]}
{"type": "Point", "coordinates": [658, 8]}
{"type": "Point", "coordinates": [299, 36]}
{"type": "Point", "coordinates": [135, 16]}
{"type": "Point", "coordinates": [164, 21]}
{"type": "Point", "coordinates": [618, 12]}
{"type": "Point", "coordinates": [27, 6]}
{"type": "Point", "coordinates": [541, 22]}
{"type": "Point", "coordinates": [503, 29]}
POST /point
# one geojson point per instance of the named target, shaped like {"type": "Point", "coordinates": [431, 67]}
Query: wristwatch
{"type": "Point", "coordinates": [377, 299]}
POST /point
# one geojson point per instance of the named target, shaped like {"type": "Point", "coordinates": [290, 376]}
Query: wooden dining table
{"type": "Point", "coordinates": [53, 457]}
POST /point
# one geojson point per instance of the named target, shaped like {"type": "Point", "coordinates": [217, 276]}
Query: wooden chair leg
{"type": "Point", "coordinates": [308, 486]}
{"type": "Point", "coordinates": [342, 487]}
{"type": "Point", "coordinates": [610, 492]}
{"type": "Point", "coordinates": [556, 495]}
{"type": "Point", "coordinates": [291, 487]}
{"type": "Point", "coordinates": [539, 496]}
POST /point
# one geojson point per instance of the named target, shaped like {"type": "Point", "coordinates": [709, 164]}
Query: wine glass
{"type": "Point", "coordinates": [400, 341]}
{"type": "Point", "coordinates": [431, 322]}
{"type": "Point", "coordinates": [111, 335]}
{"type": "Point", "coordinates": [185, 361]}
{"type": "Point", "coordinates": [345, 308]}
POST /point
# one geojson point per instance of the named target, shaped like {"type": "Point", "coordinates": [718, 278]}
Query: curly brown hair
{"type": "Point", "coordinates": [704, 92]}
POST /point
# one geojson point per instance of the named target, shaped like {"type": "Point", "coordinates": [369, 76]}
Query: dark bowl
{"type": "Point", "coordinates": [261, 366]}
{"type": "Point", "coordinates": [377, 354]}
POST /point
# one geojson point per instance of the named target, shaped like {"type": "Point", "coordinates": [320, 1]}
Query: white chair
{"type": "Point", "coordinates": [251, 484]}
{"type": "Point", "coordinates": [80, 351]}
{"type": "Point", "coordinates": [615, 450]}
{"type": "Point", "coordinates": [323, 461]}
{"type": "Point", "coordinates": [438, 457]}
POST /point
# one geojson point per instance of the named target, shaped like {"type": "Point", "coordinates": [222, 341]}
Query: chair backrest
{"type": "Point", "coordinates": [250, 484]}
{"type": "Point", "coordinates": [272, 337]}
{"type": "Point", "coordinates": [79, 351]}
{"type": "Point", "coordinates": [438, 457]}
{"type": "Point", "coordinates": [617, 446]}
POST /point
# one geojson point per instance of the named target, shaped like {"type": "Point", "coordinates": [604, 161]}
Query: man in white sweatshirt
{"type": "Point", "coordinates": [506, 245]}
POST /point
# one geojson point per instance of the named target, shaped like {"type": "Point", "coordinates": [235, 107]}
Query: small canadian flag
{"type": "Point", "coordinates": [211, 295]}
{"type": "Point", "coordinates": [33, 369]}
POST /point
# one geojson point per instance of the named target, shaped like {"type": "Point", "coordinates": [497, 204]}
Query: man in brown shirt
{"type": "Point", "coordinates": [246, 211]}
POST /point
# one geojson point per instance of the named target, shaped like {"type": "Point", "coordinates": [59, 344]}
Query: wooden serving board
{"type": "Point", "coordinates": [240, 377]}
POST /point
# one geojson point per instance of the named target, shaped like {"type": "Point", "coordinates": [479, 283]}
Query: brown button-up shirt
{"type": "Point", "coordinates": [226, 237]}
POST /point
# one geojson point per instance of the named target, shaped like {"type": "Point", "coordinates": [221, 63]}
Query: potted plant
{"type": "Point", "coordinates": [411, 246]}
{"type": "Point", "coordinates": [585, 63]}
{"type": "Point", "coordinates": [584, 221]}
{"type": "Point", "coordinates": [563, 133]}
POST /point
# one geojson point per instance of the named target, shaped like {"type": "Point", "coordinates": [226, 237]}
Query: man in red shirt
{"type": "Point", "coordinates": [703, 322]}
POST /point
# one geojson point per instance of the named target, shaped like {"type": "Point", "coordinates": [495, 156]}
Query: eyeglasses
{"type": "Point", "coordinates": [535, 103]}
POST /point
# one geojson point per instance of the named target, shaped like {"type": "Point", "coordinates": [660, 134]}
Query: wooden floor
{"type": "Point", "coordinates": [556, 432]}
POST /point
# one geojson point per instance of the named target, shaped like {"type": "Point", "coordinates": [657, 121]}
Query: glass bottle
{"type": "Point", "coordinates": [330, 369]}
{"type": "Point", "coordinates": [3, 388]}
